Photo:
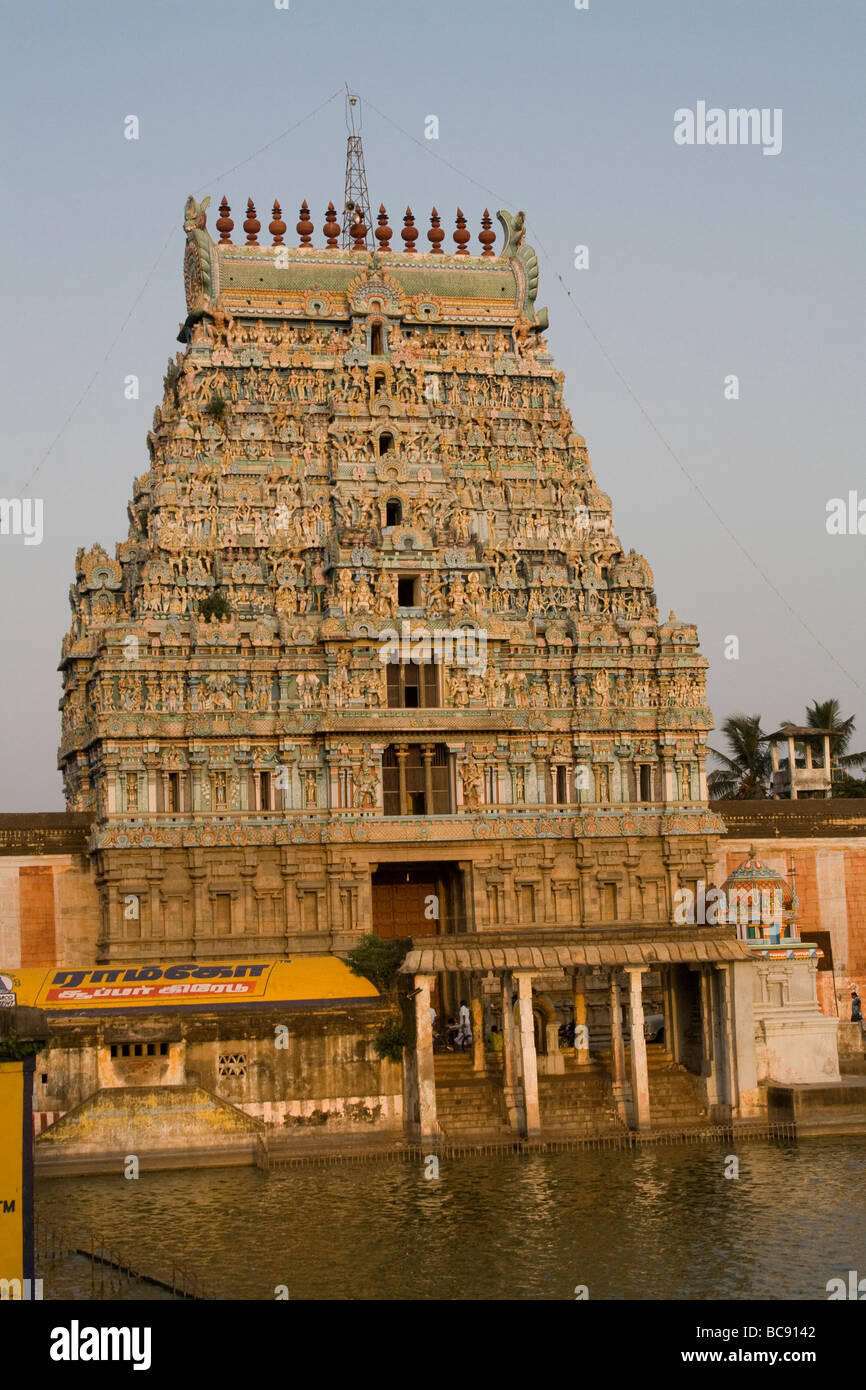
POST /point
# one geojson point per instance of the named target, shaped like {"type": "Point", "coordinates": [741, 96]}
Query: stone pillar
{"type": "Point", "coordinates": [709, 1059]}
{"type": "Point", "coordinates": [528, 1059]}
{"type": "Point", "coordinates": [670, 791]}
{"type": "Point", "coordinates": [670, 1007]}
{"type": "Point", "coordinates": [476, 1005]}
{"type": "Point", "coordinates": [427, 755]}
{"type": "Point", "coordinates": [540, 778]}
{"type": "Point", "coordinates": [792, 763]}
{"type": "Point", "coordinates": [827, 765]}
{"type": "Point", "coordinates": [703, 793]}
{"type": "Point", "coordinates": [617, 1051]}
{"type": "Point", "coordinates": [639, 1072]}
{"type": "Point", "coordinates": [402, 751]}
{"type": "Point", "coordinates": [201, 924]}
{"type": "Point", "coordinates": [742, 1006]}
{"type": "Point", "coordinates": [581, 1031]}
{"type": "Point", "coordinates": [729, 1091]}
{"type": "Point", "coordinates": [427, 1123]}
{"type": "Point", "coordinates": [509, 1066]}
{"type": "Point", "coordinates": [248, 874]}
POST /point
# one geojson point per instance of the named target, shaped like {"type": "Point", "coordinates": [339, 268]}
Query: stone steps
{"type": "Point", "coordinates": [675, 1095]}
{"type": "Point", "coordinates": [657, 1057]}
{"type": "Point", "coordinates": [578, 1104]}
{"type": "Point", "coordinates": [469, 1102]}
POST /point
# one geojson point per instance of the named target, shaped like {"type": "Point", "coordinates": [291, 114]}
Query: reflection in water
{"type": "Point", "coordinates": [661, 1222]}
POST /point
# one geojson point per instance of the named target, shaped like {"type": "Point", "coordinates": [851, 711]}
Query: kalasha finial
{"type": "Point", "coordinates": [461, 235]}
{"type": "Point", "coordinates": [304, 228]}
{"type": "Point", "coordinates": [383, 232]}
{"type": "Point", "coordinates": [359, 233]}
{"type": "Point", "coordinates": [331, 228]}
{"type": "Point", "coordinates": [435, 235]}
{"type": "Point", "coordinates": [410, 231]}
{"type": "Point", "coordinates": [252, 226]}
{"type": "Point", "coordinates": [487, 236]}
{"type": "Point", "coordinates": [224, 224]}
{"type": "Point", "coordinates": [277, 227]}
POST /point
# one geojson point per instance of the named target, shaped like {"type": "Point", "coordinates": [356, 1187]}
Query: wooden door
{"type": "Point", "coordinates": [398, 909]}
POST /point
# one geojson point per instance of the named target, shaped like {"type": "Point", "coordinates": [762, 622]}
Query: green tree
{"type": "Point", "coordinates": [217, 409]}
{"type": "Point", "coordinates": [745, 771]}
{"type": "Point", "coordinates": [848, 786]}
{"type": "Point", "coordinates": [216, 605]}
{"type": "Point", "coordinates": [827, 714]}
{"type": "Point", "coordinates": [171, 379]}
{"type": "Point", "coordinates": [378, 960]}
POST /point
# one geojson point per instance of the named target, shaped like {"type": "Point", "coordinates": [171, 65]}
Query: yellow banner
{"type": "Point", "coordinates": [202, 984]}
{"type": "Point", "coordinates": [14, 1161]}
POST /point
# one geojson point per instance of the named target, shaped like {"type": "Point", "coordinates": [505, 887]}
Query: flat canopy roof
{"type": "Point", "coordinates": [243, 983]}
{"type": "Point", "coordinates": [800, 731]}
{"type": "Point", "coordinates": [456, 954]}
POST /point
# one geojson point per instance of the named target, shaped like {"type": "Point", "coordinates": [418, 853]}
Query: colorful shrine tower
{"type": "Point", "coordinates": [372, 638]}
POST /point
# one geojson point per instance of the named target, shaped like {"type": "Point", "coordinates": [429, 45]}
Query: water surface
{"type": "Point", "coordinates": [657, 1223]}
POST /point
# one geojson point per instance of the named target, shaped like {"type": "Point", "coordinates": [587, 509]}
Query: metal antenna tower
{"type": "Point", "coordinates": [356, 205]}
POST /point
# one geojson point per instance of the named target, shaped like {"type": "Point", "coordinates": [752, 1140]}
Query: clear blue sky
{"type": "Point", "coordinates": [703, 262]}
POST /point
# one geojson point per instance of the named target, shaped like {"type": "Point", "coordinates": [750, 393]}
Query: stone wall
{"type": "Point", "coordinates": [296, 1071]}
{"type": "Point", "coordinates": [49, 905]}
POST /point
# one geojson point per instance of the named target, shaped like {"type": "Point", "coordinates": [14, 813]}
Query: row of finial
{"type": "Point", "coordinates": [358, 231]}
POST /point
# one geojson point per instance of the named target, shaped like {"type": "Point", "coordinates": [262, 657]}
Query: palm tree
{"type": "Point", "coordinates": [827, 714]}
{"type": "Point", "coordinates": [848, 786]}
{"type": "Point", "coordinates": [744, 774]}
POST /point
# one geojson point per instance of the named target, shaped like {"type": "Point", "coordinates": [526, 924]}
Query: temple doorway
{"type": "Point", "coordinates": [417, 900]}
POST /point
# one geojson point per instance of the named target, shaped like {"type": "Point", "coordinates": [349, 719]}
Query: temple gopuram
{"type": "Point", "coordinates": [373, 659]}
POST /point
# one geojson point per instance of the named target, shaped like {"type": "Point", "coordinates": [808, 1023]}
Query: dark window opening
{"type": "Point", "coordinates": [135, 1050]}
{"type": "Point", "coordinates": [646, 782]}
{"type": "Point", "coordinates": [173, 792]}
{"type": "Point", "coordinates": [386, 441]}
{"type": "Point", "coordinates": [376, 339]}
{"type": "Point", "coordinates": [45, 1075]}
{"type": "Point", "coordinates": [393, 513]}
{"type": "Point", "coordinates": [265, 778]}
{"type": "Point", "coordinates": [412, 687]}
{"type": "Point", "coordinates": [417, 781]}
{"type": "Point", "coordinates": [406, 593]}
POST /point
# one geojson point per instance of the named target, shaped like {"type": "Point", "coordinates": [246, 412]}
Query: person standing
{"type": "Point", "coordinates": [856, 1008]}
{"type": "Point", "coordinates": [464, 1026]}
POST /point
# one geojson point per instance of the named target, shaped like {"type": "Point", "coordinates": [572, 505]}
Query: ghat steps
{"type": "Point", "coordinates": [577, 1103]}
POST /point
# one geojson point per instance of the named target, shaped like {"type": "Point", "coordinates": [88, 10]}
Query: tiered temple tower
{"type": "Point", "coordinates": [357, 453]}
